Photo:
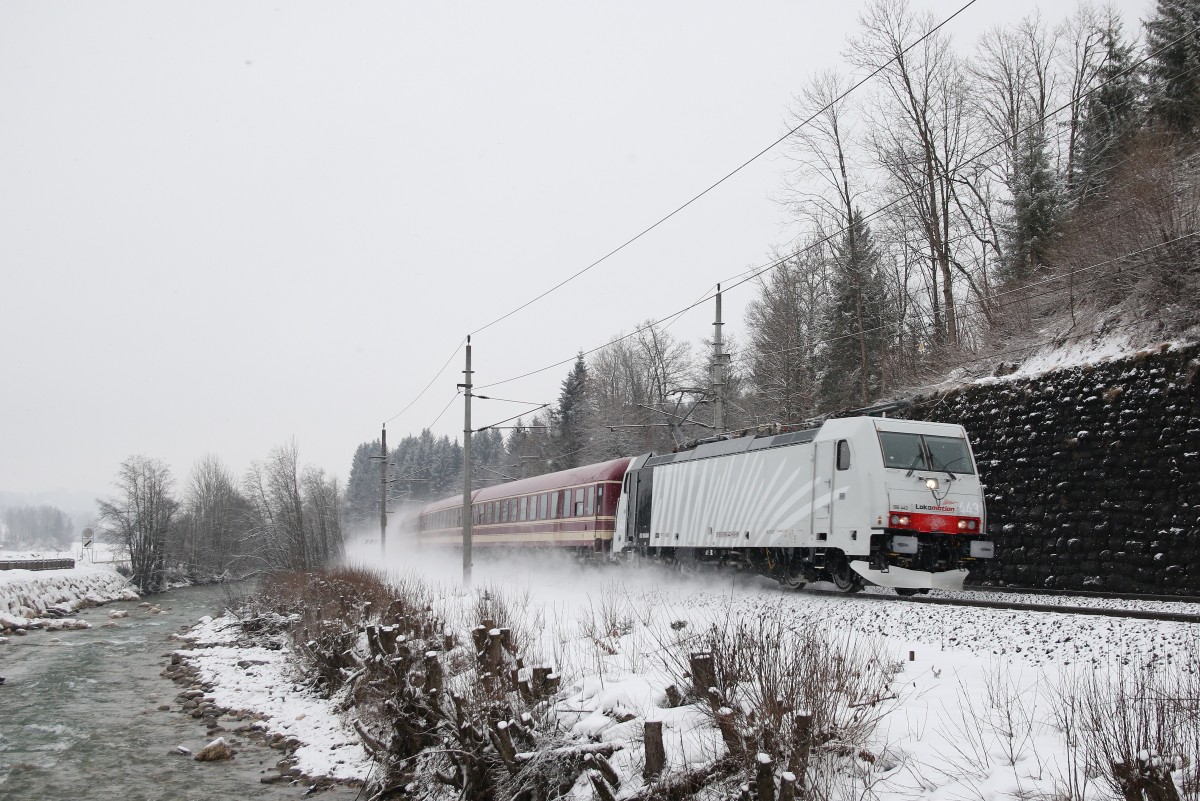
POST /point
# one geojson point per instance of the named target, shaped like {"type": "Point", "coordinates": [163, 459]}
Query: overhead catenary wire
{"type": "Point", "coordinates": [729, 174]}
{"type": "Point", "coordinates": [969, 301]}
{"type": "Point", "coordinates": [436, 376]}
{"type": "Point", "coordinates": [514, 417]}
{"type": "Point", "coordinates": [744, 277]}
{"type": "Point", "coordinates": [443, 411]}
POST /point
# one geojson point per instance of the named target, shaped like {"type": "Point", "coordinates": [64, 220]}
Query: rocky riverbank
{"type": "Point", "coordinates": [236, 678]}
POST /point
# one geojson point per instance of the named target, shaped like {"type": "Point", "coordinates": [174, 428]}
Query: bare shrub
{"type": "Point", "coordinates": [1138, 730]}
{"type": "Point", "coordinates": [809, 699]}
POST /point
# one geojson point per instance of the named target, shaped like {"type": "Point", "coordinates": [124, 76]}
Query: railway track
{"type": "Point", "coordinates": [1061, 609]}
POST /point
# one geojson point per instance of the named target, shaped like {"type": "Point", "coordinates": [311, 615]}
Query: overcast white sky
{"type": "Point", "coordinates": [227, 224]}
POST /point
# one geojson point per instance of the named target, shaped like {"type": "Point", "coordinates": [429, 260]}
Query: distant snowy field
{"type": "Point", "coordinates": [972, 715]}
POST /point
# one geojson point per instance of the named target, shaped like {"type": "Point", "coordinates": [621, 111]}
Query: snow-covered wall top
{"type": "Point", "coordinates": [1093, 472]}
{"type": "Point", "coordinates": [26, 596]}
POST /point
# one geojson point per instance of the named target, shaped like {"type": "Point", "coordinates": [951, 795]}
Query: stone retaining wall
{"type": "Point", "coordinates": [1092, 473]}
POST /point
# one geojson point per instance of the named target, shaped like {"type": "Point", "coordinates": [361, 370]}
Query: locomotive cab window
{"type": "Point", "coordinates": [950, 453]}
{"type": "Point", "coordinates": [843, 455]}
{"type": "Point", "coordinates": [925, 452]}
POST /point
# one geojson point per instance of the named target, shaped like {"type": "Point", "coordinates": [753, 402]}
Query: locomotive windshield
{"type": "Point", "coordinates": [925, 452]}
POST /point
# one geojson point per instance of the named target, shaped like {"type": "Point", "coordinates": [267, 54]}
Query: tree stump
{"type": "Point", "coordinates": [729, 733]}
{"type": "Point", "coordinates": [704, 675]}
{"type": "Point", "coordinates": [787, 786]}
{"type": "Point", "coordinates": [764, 777]}
{"type": "Point", "coordinates": [656, 755]}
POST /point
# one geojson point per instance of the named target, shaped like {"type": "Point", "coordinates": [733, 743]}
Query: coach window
{"type": "Point", "coordinates": [591, 501]}
{"type": "Point", "coordinates": [843, 455]}
{"type": "Point", "coordinates": [544, 511]}
{"type": "Point", "coordinates": [579, 502]}
{"type": "Point", "coordinates": [523, 510]}
{"type": "Point", "coordinates": [555, 504]}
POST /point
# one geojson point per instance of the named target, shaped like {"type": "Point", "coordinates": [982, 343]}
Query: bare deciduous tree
{"type": "Point", "coordinates": [141, 516]}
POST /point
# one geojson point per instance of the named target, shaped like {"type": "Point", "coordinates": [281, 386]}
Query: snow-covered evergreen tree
{"type": "Point", "coordinates": [1173, 69]}
{"type": "Point", "coordinates": [362, 488]}
{"type": "Point", "coordinates": [1036, 204]}
{"type": "Point", "coordinates": [570, 416]}
{"type": "Point", "coordinates": [858, 322]}
{"type": "Point", "coordinates": [1113, 115]}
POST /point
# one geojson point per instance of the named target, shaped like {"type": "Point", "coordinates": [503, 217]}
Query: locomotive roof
{"type": "Point", "coordinates": [613, 470]}
{"type": "Point", "coordinates": [722, 447]}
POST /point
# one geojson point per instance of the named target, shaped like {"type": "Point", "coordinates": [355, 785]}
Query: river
{"type": "Point", "coordinates": [79, 718]}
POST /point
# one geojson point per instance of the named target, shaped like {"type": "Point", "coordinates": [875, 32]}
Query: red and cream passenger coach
{"type": "Point", "coordinates": [572, 508]}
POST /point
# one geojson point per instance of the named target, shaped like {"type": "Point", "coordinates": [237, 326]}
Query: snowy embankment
{"type": "Point", "coordinates": [257, 674]}
{"type": "Point", "coordinates": [966, 702]}
{"type": "Point", "coordinates": [44, 599]}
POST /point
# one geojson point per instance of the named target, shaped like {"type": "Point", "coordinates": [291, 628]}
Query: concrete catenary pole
{"type": "Point", "coordinates": [718, 371]}
{"type": "Point", "coordinates": [466, 508]}
{"type": "Point", "coordinates": [383, 484]}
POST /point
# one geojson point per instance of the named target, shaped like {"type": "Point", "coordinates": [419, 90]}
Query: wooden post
{"type": "Point", "coordinates": [495, 649]}
{"type": "Point", "coordinates": [703, 673]}
{"type": "Point", "coordinates": [764, 778]}
{"type": "Point", "coordinates": [801, 747]}
{"type": "Point", "coordinates": [448, 640]}
{"type": "Point", "coordinates": [504, 745]}
{"type": "Point", "coordinates": [656, 755]}
{"type": "Point", "coordinates": [373, 641]}
{"type": "Point", "coordinates": [540, 674]}
{"type": "Point", "coordinates": [674, 697]}
{"type": "Point", "coordinates": [433, 671]}
{"type": "Point", "coordinates": [387, 638]}
{"type": "Point", "coordinates": [729, 732]}
{"type": "Point", "coordinates": [787, 786]}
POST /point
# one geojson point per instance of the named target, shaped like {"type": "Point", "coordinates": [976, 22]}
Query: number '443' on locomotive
{"type": "Point", "coordinates": [891, 502]}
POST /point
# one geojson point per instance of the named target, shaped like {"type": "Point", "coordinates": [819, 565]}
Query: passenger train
{"type": "Point", "coordinates": [859, 500]}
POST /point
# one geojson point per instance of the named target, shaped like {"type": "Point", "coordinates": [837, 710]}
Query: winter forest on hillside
{"type": "Point", "coordinates": [974, 202]}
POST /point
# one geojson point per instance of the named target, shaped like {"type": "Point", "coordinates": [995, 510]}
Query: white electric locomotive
{"type": "Point", "coordinates": [892, 502]}
{"type": "Point", "coordinates": [861, 499]}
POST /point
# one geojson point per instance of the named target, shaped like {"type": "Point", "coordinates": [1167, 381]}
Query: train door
{"type": "Point", "coordinates": [822, 495]}
{"type": "Point", "coordinates": [643, 497]}
{"type": "Point", "coordinates": [848, 504]}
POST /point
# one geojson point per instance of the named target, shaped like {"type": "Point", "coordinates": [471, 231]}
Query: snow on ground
{"type": "Point", "coordinates": [255, 678]}
{"type": "Point", "coordinates": [26, 596]}
{"type": "Point", "coordinates": [973, 706]}
{"type": "Point", "coordinates": [974, 691]}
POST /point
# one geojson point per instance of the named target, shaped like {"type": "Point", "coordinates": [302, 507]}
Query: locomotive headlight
{"type": "Point", "coordinates": [931, 483]}
{"type": "Point", "coordinates": [967, 525]}
{"type": "Point", "coordinates": [900, 520]}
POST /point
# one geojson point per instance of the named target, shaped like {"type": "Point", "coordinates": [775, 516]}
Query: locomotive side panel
{"type": "Point", "coordinates": [759, 499]}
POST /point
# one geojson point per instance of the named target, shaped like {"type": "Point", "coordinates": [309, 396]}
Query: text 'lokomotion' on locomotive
{"type": "Point", "coordinates": [895, 503]}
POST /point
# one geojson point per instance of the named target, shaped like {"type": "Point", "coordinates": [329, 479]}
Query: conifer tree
{"type": "Point", "coordinates": [858, 322]}
{"type": "Point", "coordinates": [570, 416]}
{"type": "Point", "coordinates": [1173, 69]}
{"type": "Point", "coordinates": [1113, 115]}
{"type": "Point", "coordinates": [1036, 203]}
{"type": "Point", "coordinates": [362, 488]}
